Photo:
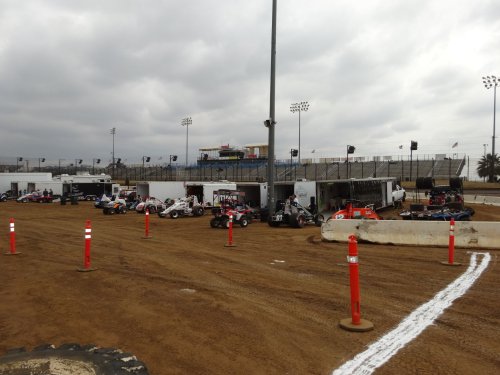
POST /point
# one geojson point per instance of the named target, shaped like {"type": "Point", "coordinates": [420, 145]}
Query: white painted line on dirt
{"type": "Point", "coordinates": [381, 351]}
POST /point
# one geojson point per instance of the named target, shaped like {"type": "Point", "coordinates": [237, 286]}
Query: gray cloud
{"type": "Point", "coordinates": [376, 75]}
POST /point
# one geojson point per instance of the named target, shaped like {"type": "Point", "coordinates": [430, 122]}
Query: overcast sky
{"type": "Point", "coordinates": [377, 74]}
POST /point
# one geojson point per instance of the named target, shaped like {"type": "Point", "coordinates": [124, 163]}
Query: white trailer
{"type": "Point", "coordinates": [18, 181]}
{"type": "Point", "coordinates": [305, 192]}
{"type": "Point", "coordinates": [57, 187]}
{"type": "Point", "coordinates": [161, 189]}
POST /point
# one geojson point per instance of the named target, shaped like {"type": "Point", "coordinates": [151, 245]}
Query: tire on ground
{"type": "Point", "coordinates": [77, 359]}
{"type": "Point", "coordinates": [198, 211]}
{"type": "Point", "coordinates": [320, 219]}
{"type": "Point", "coordinates": [214, 223]}
{"type": "Point", "coordinates": [244, 222]}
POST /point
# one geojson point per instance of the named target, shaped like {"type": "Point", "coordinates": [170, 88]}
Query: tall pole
{"type": "Point", "coordinates": [484, 155]}
{"type": "Point", "coordinates": [347, 163]}
{"type": "Point", "coordinates": [113, 132]}
{"type": "Point", "coordinates": [489, 82]}
{"type": "Point", "coordinates": [186, 122]}
{"type": "Point", "coordinates": [299, 107]}
{"type": "Point", "coordinates": [272, 121]}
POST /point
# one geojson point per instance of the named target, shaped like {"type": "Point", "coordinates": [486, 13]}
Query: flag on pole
{"type": "Point", "coordinates": [454, 145]}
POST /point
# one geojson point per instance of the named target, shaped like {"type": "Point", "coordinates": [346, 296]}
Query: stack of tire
{"type": "Point", "coordinates": [71, 359]}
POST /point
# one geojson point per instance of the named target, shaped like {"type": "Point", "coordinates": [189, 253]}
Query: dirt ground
{"type": "Point", "coordinates": [184, 303]}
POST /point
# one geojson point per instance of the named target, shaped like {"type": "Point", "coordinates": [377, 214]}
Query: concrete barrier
{"type": "Point", "coordinates": [468, 198]}
{"type": "Point", "coordinates": [468, 234]}
{"type": "Point", "coordinates": [482, 199]}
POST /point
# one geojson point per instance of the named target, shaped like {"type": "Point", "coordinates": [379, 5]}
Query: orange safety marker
{"type": "Point", "coordinates": [230, 233]}
{"type": "Point", "coordinates": [354, 323]}
{"type": "Point", "coordinates": [12, 230]}
{"type": "Point", "coordinates": [146, 230]}
{"type": "Point", "coordinates": [451, 246]}
{"type": "Point", "coordinates": [86, 254]}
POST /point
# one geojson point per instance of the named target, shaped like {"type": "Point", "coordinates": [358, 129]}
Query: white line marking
{"type": "Point", "coordinates": [381, 351]}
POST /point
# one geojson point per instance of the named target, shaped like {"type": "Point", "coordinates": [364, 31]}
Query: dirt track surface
{"type": "Point", "coordinates": [184, 303]}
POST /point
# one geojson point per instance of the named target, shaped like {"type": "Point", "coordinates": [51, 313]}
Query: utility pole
{"type": "Point", "coordinates": [271, 122]}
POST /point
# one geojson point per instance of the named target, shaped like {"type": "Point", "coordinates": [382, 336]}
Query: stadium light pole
{"type": "Point", "coordinates": [489, 82]}
{"type": "Point", "coordinates": [94, 162]}
{"type": "Point", "coordinates": [60, 166]}
{"type": "Point", "coordinates": [299, 107]}
{"type": "Point", "coordinates": [40, 160]}
{"type": "Point", "coordinates": [187, 121]}
{"type": "Point", "coordinates": [113, 132]}
{"type": "Point", "coordinates": [350, 150]}
{"type": "Point", "coordinates": [18, 159]}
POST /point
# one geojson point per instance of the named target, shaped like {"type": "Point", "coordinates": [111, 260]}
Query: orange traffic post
{"type": "Point", "coordinates": [230, 233]}
{"type": "Point", "coordinates": [12, 230]}
{"type": "Point", "coordinates": [451, 246]}
{"type": "Point", "coordinates": [146, 230]}
{"type": "Point", "coordinates": [86, 254]}
{"type": "Point", "coordinates": [354, 323]}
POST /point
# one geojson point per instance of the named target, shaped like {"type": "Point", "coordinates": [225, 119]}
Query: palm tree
{"type": "Point", "coordinates": [489, 167]}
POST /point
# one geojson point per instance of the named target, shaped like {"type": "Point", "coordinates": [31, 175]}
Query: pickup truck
{"type": "Point", "coordinates": [398, 196]}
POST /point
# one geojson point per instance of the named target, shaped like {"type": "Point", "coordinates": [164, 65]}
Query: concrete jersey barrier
{"type": "Point", "coordinates": [468, 234]}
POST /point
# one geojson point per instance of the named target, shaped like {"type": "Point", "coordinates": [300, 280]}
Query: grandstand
{"type": "Point", "coordinates": [255, 169]}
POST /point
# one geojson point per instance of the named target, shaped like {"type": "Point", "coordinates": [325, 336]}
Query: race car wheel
{"type": "Point", "coordinates": [320, 219]}
{"type": "Point", "coordinates": [198, 211]}
{"type": "Point", "coordinates": [111, 211]}
{"type": "Point", "coordinates": [244, 222]}
{"type": "Point", "coordinates": [301, 221]}
{"type": "Point", "coordinates": [214, 223]}
{"type": "Point", "coordinates": [73, 358]}
{"type": "Point", "coordinates": [174, 214]}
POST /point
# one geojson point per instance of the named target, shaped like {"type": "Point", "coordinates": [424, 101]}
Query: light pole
{"type": "Point", "coordinates": [293, 152]}
{"type": "Point", "coordinates": [350, 150]}
{"type": "Point", "coordinates": [413, 147]}
{"type": "Point", "coordinates": [489, 82]}
{"type": "Point", "coordinates": [171, 159]}
{"type": "Point", "coordinates": [271, 121]}
{"type": "Point", "coordinates": [77, 163]}
{"type": "Point", "coordinates": [60, 166]}
{"type": "Point", "coordinates": [299, 107]}
{"type": "Point", "coordinates": [113, 132]}
{"type": "Point", "coordinates": [484, 156]}
{"type": "Point", "coordinates": [40, 160]}
{"type": "Point", "coordinates": [18, 159]}
{"type": "Point", "coordinates": [186, 122]}
{"type": "Point", "coordinates": [145, 159]}
{"type": "Point", "coordinates": [94, 162]}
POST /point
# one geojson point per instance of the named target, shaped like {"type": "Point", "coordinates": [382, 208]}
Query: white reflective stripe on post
{"type": "Point", "coordinates": [12, 230]}
{"type": "Point", "coordinates": [87, 236]}
{"type": "Point", "coordinates": [352, 259]}
{"type": "Point", "coordinates": [88, 230]}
